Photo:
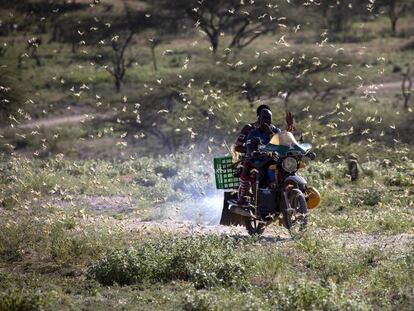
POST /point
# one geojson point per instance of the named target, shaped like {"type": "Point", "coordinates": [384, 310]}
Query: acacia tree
{"type": "Point", "coordinates": [119, 60]}
{"type": "Point", "coordinates": [159, 117]}
{"type": "Point", "coordinates": [336, 13]}
{"type": "Point", "coordinates": [152, 44]}
{"type": "Point", "coordinates": [303, 73]}
{"type": "Point", "coordinates": [395, 9]}
{"type": "Point", "coordinates": [117, 47]}
{"type": "Point", "coordinates": [244, 21]}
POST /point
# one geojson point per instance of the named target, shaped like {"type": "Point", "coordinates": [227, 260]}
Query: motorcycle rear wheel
{"type": "Point", "coordinates": [254, 227]}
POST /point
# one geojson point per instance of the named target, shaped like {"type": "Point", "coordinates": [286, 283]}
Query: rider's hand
{"type": "Point", "coordinates": [289, 121]}
{"type": "Point", "coordinates": [256, 141]}
{"type": "Point", "coordinates": [267, 129]}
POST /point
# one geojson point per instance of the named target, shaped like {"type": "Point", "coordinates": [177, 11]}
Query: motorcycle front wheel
{"type": "Point", "coordinates": [254, 227]}
{"type": "Point", "coordinates": [298, 212]}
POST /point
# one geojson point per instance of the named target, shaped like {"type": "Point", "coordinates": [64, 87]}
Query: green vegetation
{"type": "Point", "coordinates": [348, 259]}
{"type": "Point", "coordinates": [313, 273]}
{"type": "Point", "coordinates": [208, 262]}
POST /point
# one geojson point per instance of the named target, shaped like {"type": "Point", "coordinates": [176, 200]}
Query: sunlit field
{"type": "Point", "coordinates": [111, 113]}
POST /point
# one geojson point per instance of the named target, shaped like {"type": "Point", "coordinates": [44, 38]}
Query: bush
{"type": "Point", "coordinates": [197, 302]}
{"type": "Point", "coordinates": [166, 171]}
{"type": "Point", "coordinates": [313, 296]}
{"type": "Point", "coordinates": [336, 263]}
{"type": "Point", "coordinates": [398, 180]}
{"type": "Point", "coordinates": [11, 93]}
{"type": "Point", "coordinates": [372, 197]}
{"type": "Point", "coordinates": [390, 282]}
{"type": "Point", "coordinates": [22, 300]}
{"type": "Point", "coordinates": [204, 261]}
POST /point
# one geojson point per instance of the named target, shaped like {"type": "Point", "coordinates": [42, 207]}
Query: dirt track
{"type": "Point", "coordinates": [166, 218]}
{"type": "Point", "coordinates": [381, 88]}
{"type": "Point", "coordinates": [371, 89]}
{"type": "Point", "coordinates": [275, 234]}
{"type": "Point", "coordinates": [57, 121]}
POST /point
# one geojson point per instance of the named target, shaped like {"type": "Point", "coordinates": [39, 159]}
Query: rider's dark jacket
{"type": "Point", "coordinates": [257, 136]}
{"type": "Point", "coordinates": [240, 145]}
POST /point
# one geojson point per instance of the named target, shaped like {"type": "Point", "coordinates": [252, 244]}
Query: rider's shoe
{"type": "Point", "coordinates": [240, 202]}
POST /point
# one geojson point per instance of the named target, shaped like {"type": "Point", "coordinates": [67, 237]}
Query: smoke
{"type": "Point", "coordinates": [197, 200]}
{"type": "Point", "coordinates": [204, 210]}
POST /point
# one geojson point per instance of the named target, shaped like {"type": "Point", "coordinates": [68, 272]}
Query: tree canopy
{"type": "Point", "coordinates": [244, 21]}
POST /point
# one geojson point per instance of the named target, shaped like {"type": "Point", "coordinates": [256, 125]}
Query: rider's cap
{"type": "Point", "coordinates": [261, 107]}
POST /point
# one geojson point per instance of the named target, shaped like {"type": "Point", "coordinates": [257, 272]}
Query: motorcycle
{"type": "Point", "coordinates": [277, 193]}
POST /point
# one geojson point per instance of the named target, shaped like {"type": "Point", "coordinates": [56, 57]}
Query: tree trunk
{"type": "Point", "coordinates": [406, 102]}
{"type": "Point", "coordinates": [394, 26]}
{"type": "Point", "coordinates": [37, 58]}
{"type": "Point", "coordinates": [54, 34]}
{"type": "Point", "coordinates": [74, 41]}
{"type": "Point", "coordinates": [20, 61]}
{"type": "Point", "coordinates": [339, 17]}
{"type": "Point", "coordinates": [214, 43]}
{"type": "Point", "coordinates": [170, 145]}
{"type": "Point", "coordinates": [154, 58]}
{"type": "Point", "coordinates": [117, 85]}
{"type": "Point", "coordinates": [393, 17]}
{"type": "Point", "coordinates": [406, 87]}
{"type": "Point", "coordinates": [73, 46]}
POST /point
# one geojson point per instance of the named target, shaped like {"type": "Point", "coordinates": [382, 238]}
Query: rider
{"type": "Point", "coordinates": [240, 144]}
{"type": "Point", "coordinates": [261, 134]}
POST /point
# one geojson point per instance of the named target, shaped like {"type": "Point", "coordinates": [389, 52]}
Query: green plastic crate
{"type": "Point", "coordinates": [224, 170]}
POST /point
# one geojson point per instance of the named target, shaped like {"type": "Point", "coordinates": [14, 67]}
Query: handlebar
{"type": "Point", "coordinates": [263, 154]}
{"type": "Point", "coordinates": [276, 156]}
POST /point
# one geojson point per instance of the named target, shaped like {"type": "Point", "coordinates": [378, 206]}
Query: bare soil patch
{"type": "Point", "coordinates": [174, 223]}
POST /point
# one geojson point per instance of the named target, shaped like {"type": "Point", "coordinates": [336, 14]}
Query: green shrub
{"type": "Point", "coordinates": [11, 92]}
{"type": "Point", "coordinates": [390, 281]}
{"type": "Point", "coordinates": [335, 263]}
{"type": "Point", "coordinates": [398, 180]}
{"type": "Point", "coordinates": [204, 261]}
{"type": "Point", "coordinates": [22, 300]}
{"type": "Point", "coordinates": [197, 302]}
{"type": "Point", "coordinates": [166, 170]}
{"type": "Point", "coordinates": [16, 237]}
{"type": "Point", "coordinates": [313, 296]}
{"type": "Point", "coordinates": [372, 197]}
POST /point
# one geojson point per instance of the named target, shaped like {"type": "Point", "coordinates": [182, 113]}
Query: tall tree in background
{"type": "Point", "coordinates": [152, 43]}
{"type": "Point", "coordinates": [243, 21]}
{"type": "Point", "coordinates": [395, 9]}
{"type": "Point", "coordinates": [119, 60]}
{"type": "Point", "coordinates": [336, 13]}
{"type": "Point", "coordinates": [117, 49]}
{"type": "Point", "coordinates": [333, 14]}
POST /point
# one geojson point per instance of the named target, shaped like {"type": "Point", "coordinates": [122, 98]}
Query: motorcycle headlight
{"type": "Point", "coordinates": [290, 164]}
